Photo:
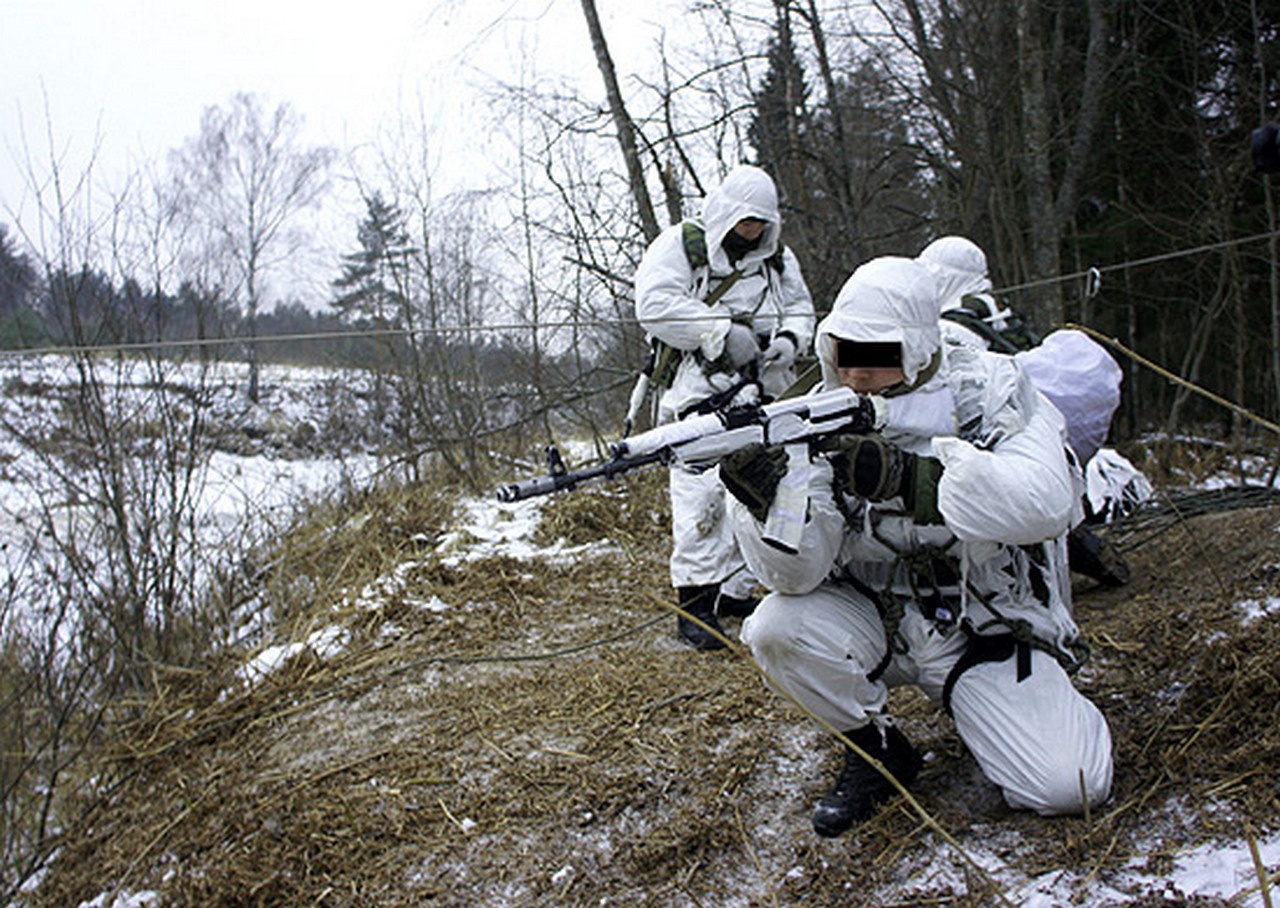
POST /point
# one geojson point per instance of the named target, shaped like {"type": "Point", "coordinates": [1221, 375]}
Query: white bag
{"type": "Point", "coordinates": [1082, 380]}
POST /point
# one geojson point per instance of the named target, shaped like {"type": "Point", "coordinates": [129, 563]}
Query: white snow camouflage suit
{"type": "Point", "coordinates": [874, 600]}
{"type": "Point", "coordinates": [670, 305]}
{"type": "Point", "coordinates": [1070, 368]}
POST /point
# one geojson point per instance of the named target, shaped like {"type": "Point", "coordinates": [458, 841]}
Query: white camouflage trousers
{"type": "Point", "coordinates": [703, 549]}
{"type": "Point", "coordinates": [1039, 739]}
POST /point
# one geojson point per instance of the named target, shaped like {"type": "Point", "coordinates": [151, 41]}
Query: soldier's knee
{"type": "Point", "coordinates": [771, 630]}
{"type": "Point", "coordinates": [1066, 790]}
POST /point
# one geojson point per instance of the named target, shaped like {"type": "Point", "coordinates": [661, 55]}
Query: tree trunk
{"type": "Point", "coordinates": [843, 182]}
{"type": "Point", "coordinates": [1273, 242]}
{"type": "Point", "coordinates": [1090, 114]}
{"type": "Point", "coordinates": [1045, 234]}
{"type": "Point", "coordinates": [622, 121]}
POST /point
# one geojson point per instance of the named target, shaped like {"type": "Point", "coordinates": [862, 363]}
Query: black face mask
{"type": "Point", "coordinates": [736, 246]}
{"type": "Point", "coordinates": [868, 354]}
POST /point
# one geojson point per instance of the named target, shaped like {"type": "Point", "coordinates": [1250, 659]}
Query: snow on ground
{"type": "Point", "coordinates": [1255, 609]}
{"type": "Point", "coordinates": [241, 497]}
{"type": "Point", "coordinates": [488, 527]}
{"type": "Point", "coordinates": [1224, 871]}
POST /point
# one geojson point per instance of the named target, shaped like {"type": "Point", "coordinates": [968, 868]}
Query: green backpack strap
{"type": "Point", "coordinates": [664, 359]}
{"type": "Point", "coordinates": [695, 249]}
{"type": "Point", "coordinates": [804, 382]}
{"type": "Point", "coordinates": [695, 244]}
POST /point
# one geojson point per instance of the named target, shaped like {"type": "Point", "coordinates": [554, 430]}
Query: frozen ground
{"type": "Point", "coordinates": [259, 490]}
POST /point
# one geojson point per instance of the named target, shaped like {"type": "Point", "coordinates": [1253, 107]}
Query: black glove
{"type": "Point", "coordinates": [873, 468]}
{"type": "Point", "coordinates": [752, 473]}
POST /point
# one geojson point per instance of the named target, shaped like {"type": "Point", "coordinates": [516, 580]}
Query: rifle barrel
{"type": "Point", "coordinates": [570, 479]}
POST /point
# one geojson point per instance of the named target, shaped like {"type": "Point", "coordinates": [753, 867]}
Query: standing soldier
{"type": "Point", "coordinates": [728, 312]}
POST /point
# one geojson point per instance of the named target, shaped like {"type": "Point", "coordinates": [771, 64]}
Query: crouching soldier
{"type": "Point", "coordinates": [933, 554]}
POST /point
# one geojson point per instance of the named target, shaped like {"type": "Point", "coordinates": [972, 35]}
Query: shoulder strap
{"type": "Point", "coordinates": [804, 383]}
{"type": "Point", "coordinates": [723, 287]}
{"type": "Point", "coordinates": [695, 247]}
{"type": "Point", "coordinates": [695, 244]}
{"type": "Point", "coordinates": [997, 341]}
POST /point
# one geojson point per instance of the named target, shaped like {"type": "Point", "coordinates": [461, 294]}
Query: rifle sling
{"type": "Point", "coordinates": [804, 383]}
{"type": "Point", "coordinates": [722, 288]}
{"type": "Point", "coordinates": [661, 365]}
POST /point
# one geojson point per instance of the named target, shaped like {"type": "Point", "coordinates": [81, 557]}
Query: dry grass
{"type": "Point", "coordinates": [546, 741]}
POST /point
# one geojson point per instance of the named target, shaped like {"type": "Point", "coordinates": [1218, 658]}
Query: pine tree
{"type": "Point", "coordinates": [373, 291]}
{"type": "Point", "coordinates": [372, 285]}
{"type": "Point", "coordinates": [779, 122]}
{"type": "Point", "coordinates": [17, 276]}
{"type": "Point", "coordinates": [848, 180]}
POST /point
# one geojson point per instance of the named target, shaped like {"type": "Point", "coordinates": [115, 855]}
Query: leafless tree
{"type": "Point", "coordinates": [109, 595]}
{"type": "Point", "coordinates": [622, 122]}
{"type": "Point", "coordinates": [243, 180]}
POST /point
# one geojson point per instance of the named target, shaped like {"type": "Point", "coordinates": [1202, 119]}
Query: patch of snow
{"type": "Point", "coordinates": [121, 900]}
{"type": "Point", "coordinates": [489, 528]}
{"type": "Point", "coordinates": [1224, 871]}
{"type": "Point", "coordinates": [393, 585]}
{"type": "Point", "coordinates": [1255, 609]}
{"type": "Point", "coordinates": [325, 643]}
{"type": "Point", "coordinates": [1221, 870]}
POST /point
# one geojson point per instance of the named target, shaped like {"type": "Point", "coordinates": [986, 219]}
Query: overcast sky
{"type": "Point", "coordinates": [137, 74]}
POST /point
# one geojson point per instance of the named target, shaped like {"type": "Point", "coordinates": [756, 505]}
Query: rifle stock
{"type": "Point", "coordinates": [700, 442]}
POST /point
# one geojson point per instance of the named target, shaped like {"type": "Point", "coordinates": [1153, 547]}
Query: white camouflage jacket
{"type": "Point", "coordinates": [1007, 495]}
{"type": "Point", "coordinates": [671, 292]}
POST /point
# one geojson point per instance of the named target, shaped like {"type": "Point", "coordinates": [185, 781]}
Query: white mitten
{"type": "Point", "coordinates": [781, 352]}
{"type": "Point", "coordinates": [740, 345]}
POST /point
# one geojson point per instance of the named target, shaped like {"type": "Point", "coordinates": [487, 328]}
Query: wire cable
{"type": "Point", "coordinates": [1091, 273]}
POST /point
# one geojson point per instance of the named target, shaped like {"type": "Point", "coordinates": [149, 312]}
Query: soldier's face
{"type": "Point", "coordinates": [869, 367]}
{"type": "Point", "coordinates": [871, 381]}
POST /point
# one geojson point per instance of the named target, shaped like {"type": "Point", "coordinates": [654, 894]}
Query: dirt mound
{"type": "Point", "coordinates": [528, 732]}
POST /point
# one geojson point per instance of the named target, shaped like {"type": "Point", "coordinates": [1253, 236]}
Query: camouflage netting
{"type": "Point", "coordinates": [543, 739]}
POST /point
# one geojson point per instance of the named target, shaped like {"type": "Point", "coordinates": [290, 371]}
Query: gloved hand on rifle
{"type": "Point", "coordinates": [871, 467]}
{"type": "Point", "coordinates": [740, 345]}
{"type": "Point", "coordinates": [752, 473]}
{"type": "Point", "coordinates": [781, 351]}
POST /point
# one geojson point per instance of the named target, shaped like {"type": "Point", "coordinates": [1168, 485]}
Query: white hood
{"type": "Point", "coordinates": [887, 299]}
{"type": "Point", "coordinates": [960, 267]}
{"type": "Point", "coordinates": [747, 192]}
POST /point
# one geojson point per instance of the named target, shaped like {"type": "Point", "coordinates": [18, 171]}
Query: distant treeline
{"type": "Point", "coordinates": [42, 308]}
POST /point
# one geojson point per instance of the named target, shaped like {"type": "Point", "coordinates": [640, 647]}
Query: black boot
{"type": "Point", "coordinates": [700, 602]}
{"type": "Point", "coordinates": [733, 607]}
{"type": "Point", "coordinates": [861, 788]}
{"type": "Point", "coordinates": [1096, 558]}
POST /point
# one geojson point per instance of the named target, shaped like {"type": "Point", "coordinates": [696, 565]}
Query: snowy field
{"type": "Point", "coordinates": [247, 491]}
